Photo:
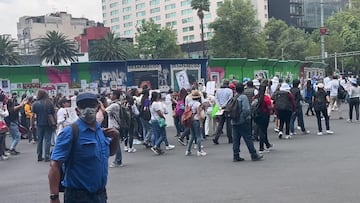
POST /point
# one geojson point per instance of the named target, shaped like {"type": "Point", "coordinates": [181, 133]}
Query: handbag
{"type": "Point", "coordinates": [3, 127]}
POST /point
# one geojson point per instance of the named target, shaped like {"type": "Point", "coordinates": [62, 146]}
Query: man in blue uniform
{"type": "Point", "coordinates": [87, 163]}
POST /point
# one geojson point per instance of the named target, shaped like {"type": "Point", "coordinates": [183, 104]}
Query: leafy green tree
{"type": "Point", "coordinates": [201, 6]}
{"type": "Point", "coordinates": [55, 47]}
{"type": "Point", "coordinates": [292, 44]}
{"type": "Point", "coordinates": [157, 42]}
{"type": "Point", "coordinates": [237, 32]}
{"type": "Point", "coordinates": [111, 48]}
{"type": "Point", "coordinates": [7, 54]}
{"type": "Point", "coordinates": [272, 30]}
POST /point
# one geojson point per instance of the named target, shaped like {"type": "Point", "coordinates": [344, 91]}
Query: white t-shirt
{"type": "Point", "coordinates": [156, 106]}
{"type": "Point", "coordinates": [194, 105]}
{"type": "Point", "coordinates": [334, 86]}
{"type": "Point", "coordinates": [62, 119]}
{"type": "Point", "coordinates": [168, 99]}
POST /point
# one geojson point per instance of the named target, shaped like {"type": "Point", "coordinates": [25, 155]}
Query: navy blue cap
{"type": "Point", "coordinates": [86, 96]}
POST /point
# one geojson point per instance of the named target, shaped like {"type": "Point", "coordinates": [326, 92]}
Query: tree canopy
{"type": "Point", "coordinates": [55, 47]}
{"type": "Point", "coordinates": [237, 32]}
{"type": "Point", "coordinates": [157, 42]}
{"type": "Point", "coordinates": [8, 56]}
{"type": "Point", "coordinates": [111, 48]}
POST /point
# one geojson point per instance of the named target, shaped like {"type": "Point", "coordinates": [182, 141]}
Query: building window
{"type": "Point", "coordinates": [188, 38]}
{"type": "Point", "coordinates": [170, 6]}
{"type": "Point", "coordinates": [104, 22]}
{"type": "Point", "coordinates": [126, 1]}
{"type": "Point", "coordinates": [114, 20]}
{"type": "Point", "coordinates": [127, 9]}
{"type": "Point", "coordinates": [156, 18]}
{"type": "Point", "coordinates": [112, 5]}
{"type": "Point", "coordinates": [103, 7]}
{"type": "Point", "coordinates": [104, 15]}
{"type": "Point", "coordinates": [139, 23]}
{"type": "Point", "coordinates": [188, 29]}
{"type": "Point", "coordinates": [170, 24]}
{"type": "Point", "coordinates": [155, 10]}
{"type": "Point", "coordinates": [219, 3]}
{"type": "Point", "coordinates": [207, 16]}
{"type": "Point", "coordinates": [187, 11]}
{"type": "Point", "coordinates": [103, 1]}
{"type": "Point", "coordinates": [115, 27]}
{"type": "Point", "coordinates": [170, 15]}
{"type": "Point", "coordinates": [126, 17]}
{"type": "Point", "coordinates": [115, 12]}
{"type": "Point", "coordinates": [128, 32]}
{"type": "Point", "coordinates": [154, 2]}
{"type": "Point", "coordinates": [187, 20]}
{"type": "Point", "coordinates": [140, 6]}
{"type": "Point", "coordinates": [186, 3]}
{"type": "Point", "coordinates": [140, 14]}
{"type": "Point", "coordinates": [129, 24]}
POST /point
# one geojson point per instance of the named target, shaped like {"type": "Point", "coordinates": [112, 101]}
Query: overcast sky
{"type": "Point", "coordinates": [12, 10]}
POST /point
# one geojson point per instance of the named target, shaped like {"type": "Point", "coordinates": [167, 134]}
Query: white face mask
{"type": "Point", "coordinates": [88, 115]}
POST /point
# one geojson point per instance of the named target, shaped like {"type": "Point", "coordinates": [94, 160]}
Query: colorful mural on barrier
{"type": "Point", "coordinates": [156, 74]}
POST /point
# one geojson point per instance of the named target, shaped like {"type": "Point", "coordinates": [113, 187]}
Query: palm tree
{"type": "Point", "coordinates": [7, 54]}
{"type": "Point", "coordinates": [110, 48]}
{"type": "Point", "coordinates": [55, 47]}
{"type": "Point", "coordinates": [201, 6]}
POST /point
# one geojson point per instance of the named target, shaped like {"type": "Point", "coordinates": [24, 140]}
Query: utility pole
{"type": "Point", "coordinates": [322, 35]}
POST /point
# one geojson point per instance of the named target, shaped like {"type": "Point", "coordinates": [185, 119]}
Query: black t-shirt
{"type": "Point", "coordinates": [13, 115]}
{"type": "Point", "coordinates": [42, 109]}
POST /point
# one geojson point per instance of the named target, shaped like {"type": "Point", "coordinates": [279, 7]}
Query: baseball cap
{"type": "Point", "coordinates": [86, 98]}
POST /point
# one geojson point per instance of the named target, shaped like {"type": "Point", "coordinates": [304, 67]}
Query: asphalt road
{"type": "Point", "coordinates": [305, 169]}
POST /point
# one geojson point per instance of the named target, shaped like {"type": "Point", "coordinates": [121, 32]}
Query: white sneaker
{"type": "Point", "coordinates": [3, 157]}
{"type": "Point", "coordinates": [287, 137]}
{"type": "Point", "coordinates": [187, 153]}
{"type": "Point", "coordinates": [170, 147]}
{"type": "Point", "coordinates": [7, 153]}
{"type": "Point", "coordinates": [276, 130]}
{"type": "Point", "coordinates": [292, 133]}
{"type": "Point", "coordinates": [131, 150]}
{"type": "Point", "coordinates": [319, 133]}
{"type": "Point", "coordinates": [126, 148]}
{"type": "Point", "coordinates": [114, 165]}
{"type": "Point", "coordinates": [329, 132]}
{"type": "Point", "coordinates": [298, 127]}
{"type": "Point", "coordinates": [201, 153]}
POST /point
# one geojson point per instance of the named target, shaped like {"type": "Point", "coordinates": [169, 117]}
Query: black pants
{"type": "Point", "coordinates": [222, 119]}
{"type": "Point", "coordinates": [263, 124]}
{"type": "Point", "coordinates": [284, 117]}
{"type": "Point", "coordinates": [2, 144]}
{"type": "Point", "coordinates": [354, 102]}
{"type": "Point", "coordinates": [318, 117]}
{"type": "Point", "coordinates": [83, 196]}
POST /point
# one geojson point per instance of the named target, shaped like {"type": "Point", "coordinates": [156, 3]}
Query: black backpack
{"type": "Point", "coordinates": [282, 101]}
{"type": "Point", "coordinates": [341, 92]}
{"type": "Point", "coordinates": [125, 116]}
{"type": "Point", "coordinates": [232, 108]}
{"type": "Point", "coordinates": [319, 100]}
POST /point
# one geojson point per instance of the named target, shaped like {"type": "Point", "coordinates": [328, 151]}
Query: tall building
{"type": "Point", "coordinates": [304, 14]}
{"type": "Point", "coordinates": [313, 12]}
{"type": "Point", "coordinates": [31, 28]}
{"type": "Point", "coordinates": [91, 35]}
{"type": "Point", "coordinates": [124, 16]}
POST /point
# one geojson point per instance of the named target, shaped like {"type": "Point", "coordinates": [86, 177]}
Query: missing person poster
{"type": "Point", "coordinates": [182, 80]}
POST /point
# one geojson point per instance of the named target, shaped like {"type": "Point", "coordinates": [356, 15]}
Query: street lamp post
{"type": "Point", "coordinates": [282, 53]}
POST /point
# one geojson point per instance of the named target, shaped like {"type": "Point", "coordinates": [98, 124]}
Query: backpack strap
{"type": "Point", "coordinates": [75, 137]}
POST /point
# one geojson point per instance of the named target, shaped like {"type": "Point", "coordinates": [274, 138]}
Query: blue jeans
{"type": "Point", "coordinates": [159, 134]}
{"type": "Point", "coordinates": [15, 134]}
{"type": "Point", "coordinates": [243, 130]}
{"type": "Point", "coordinates": [82, 196]}
{"type": "Point", "coordinates": [146, 126]}
{"type": "Point", "coordinates": [44, 133]}
{"type": "Point", "coordinates": [299, 114]}
{"type": "Point", "coordinates": [195, 134]}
